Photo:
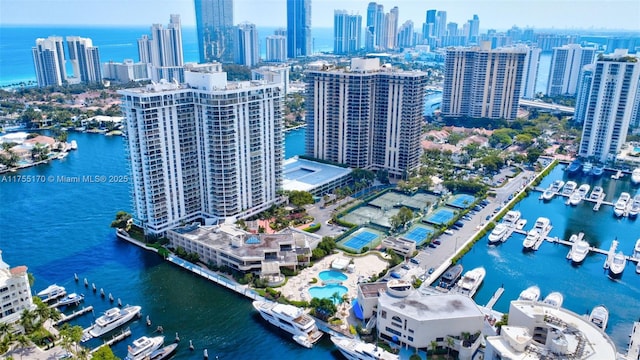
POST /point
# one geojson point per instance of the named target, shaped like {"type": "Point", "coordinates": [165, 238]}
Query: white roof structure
{"type": "Point", "coordinates": [305, 175]}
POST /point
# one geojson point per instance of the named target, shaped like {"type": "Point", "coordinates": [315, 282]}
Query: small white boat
{"type": "Point", "coordinates": [554, 299]}
{"type": "Point", "coordinates": [575, 198]}
{"type": "Point", "coordinates": [71, 299]}
{"type": "Point", "coordinates": [599, 316]}
{"type": "Point", "coordinates": [635, 176]}
{"type": "Point", "coordinates": [354, 349]}
{"type": "Point", "coordinates": [596, 193]}
{"type": "Point", "coordinates": [579, 251]}
{"type": "Point", "coordinates": [548, 194]}
{"type": "Point", "coordinates": [498, 234]}
{"type": "Point", "coordinates": [52, 292]}
{"type": "Point", "coordinates": [557, 185]}
{"type": "Point", "coordinates": [521, 224]}
{"type": "Point", "coordinates": [569, 187]}
{"type": "Point", "coordinates": [636, 249]}
{"type": "Point", "coordinates": [532, 293]}
{"type": "Point", "coordinates": [532, 238]}
{"type": "Point", "coordinates": [511, 217]}
{"type": "Point", "coordinates": [163, 353]}
{"type": "Point", "coordinates": [586, 168]}
{"type": "Point", "coordinates": [73, 145]}
{"type": "Point", "coordinates": [144, 346]}
{"type": "Point", "coordinates": [542, 224]}
{"type": "Point", "coordinates": [634, 209]}
{"type": "Point", "coordinates": [617, 265]}
{"type": "Point", "coordinates": [470, 281]}
{"type": "Point", "coordinates": [621, 205]}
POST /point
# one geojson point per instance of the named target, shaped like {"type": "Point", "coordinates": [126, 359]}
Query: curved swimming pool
{"type": "Point", "coordinates": [327, 291]}
{"type": "Point", "coordinates": [332, 276]}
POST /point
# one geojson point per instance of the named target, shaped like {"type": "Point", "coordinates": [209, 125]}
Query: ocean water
{"type": "Point", "coordinates": [583, 286]}
{"type": "Point", "coordinates": [117, 44]}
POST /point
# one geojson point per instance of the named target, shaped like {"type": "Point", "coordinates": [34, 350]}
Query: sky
{"type": "Point", "coordinates": [495, 14]}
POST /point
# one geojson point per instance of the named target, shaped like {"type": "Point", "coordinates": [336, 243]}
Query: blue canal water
{"type": "Point", "coordinates": [59, 228]}
{"type": "Point", "coordinates": [583, 286]}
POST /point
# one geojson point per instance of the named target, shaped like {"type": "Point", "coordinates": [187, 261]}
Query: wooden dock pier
{"type": "Point", "coordinates": [495, 298]}
{"type": "Point", "coordinates": [74, 315]}
{"type": "Point", "coordinates": [598, 202]}
{"type": "Point", "coordinates": [116, 338]}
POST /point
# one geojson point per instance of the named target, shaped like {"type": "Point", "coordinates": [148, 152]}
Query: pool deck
{"type": "Point", "coordinates": [297, 288]}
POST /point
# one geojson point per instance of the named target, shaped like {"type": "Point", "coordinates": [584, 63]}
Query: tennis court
{"type": "Point", "coordinates": [418, 234]}
{"type": "Point", "coordinates": [462, 201]}
{"type": "Point", "coordinates": [362, 238]}
{"type": "Point", "coordinates": [440, 217]}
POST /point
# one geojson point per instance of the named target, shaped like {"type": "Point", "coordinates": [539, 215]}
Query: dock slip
{"type": "Point", "coordinates": [74, 315]}
{"type": "Point", "coordinates": [633, 352]}
{"type": "Point", "coordinates": [118, 337]}
{"type": "Point", "coordinates": [216, 278]}
{"type": "Point", "coordinates": [597, 202]}
{"type": "Point", "coordinates": [495, 298]}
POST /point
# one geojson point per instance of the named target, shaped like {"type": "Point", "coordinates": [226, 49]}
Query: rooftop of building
{"type": "Point", "coordinates": [305, 175]}
{"type": "Point", "coordinates": [372, 290]}
{"type": "Point", "coordinates": [431, 307]}
{"type": "Point", "coordinates": [568, 328]}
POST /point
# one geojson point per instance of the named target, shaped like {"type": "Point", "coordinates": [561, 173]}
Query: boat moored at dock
{"type": "Point", "coordinates": [617, 265]}
{"type": "Point", "coordinates": [162, 353]}
{"type": "Point", "coordinates": [143, 347]}
{"type": "Point", "coordinates": [554, 299]}
{"type": "Point", "coordinates": [574, 166]}
{"type": "Point", "coordinates": [586, 168]}
{"type": "Point", "coordinates": [498, 234]}
{"type": "Point", "coordinates": [71, 299]}
{"type": "Point", "coordinates": [597, 171]}
{"type": "Point", "coordinates": [112, 319]}
{"type": "Point", "coordinates": [569, 188]}
{"type": "Point", "coordinates": [470, 281]}
{"type": "Point", "coordinates": [354, 349]}
{"type": "Point", "coordinates": [599, 316]}
{"type": "Point", "coordinates": [530, 240]}
{"type": "Point", "coordinates": [620, 206]}
{"type": "Point", "coordinates": [52, 292]}
{"type": "Point", "coordinates": [579, 251]}
{"type": "Point", "coordinates": [596, 193]}
{"type": "Point", "coordinates": [512, 217]}
{"type": "Point", "coordinates": [290, 319]}
{"type": "Point", "coordinates": [532, 293]}
{"type": "Point", "coordinates": [450, 277]}
{"type": "Point", "coordinates": [635, 176]}
{"type": "Point", "coordinates": [634, 209]}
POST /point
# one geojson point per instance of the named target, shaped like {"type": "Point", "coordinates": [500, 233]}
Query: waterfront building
{"type": "Point", "coordinates": [246, 42]}
{"type": "Point", "coordinates": [85, 60]}
{"type": "Point", "coordinates": [347, 30]}
{"type": "Point", "coordinates": [607, 104]}
{"type": "Point", "coordinates": [15, 292]}
{"type": "Point", "coordinates": [374, 26]}
{"type": "Point", "coordinates": [409, 318]}
{"type": "Point", "coordinates": [482, 83]}
{"type": "Point", "coordinates": [273, 74]}
{"type": "Point", "coordinates": [163, 51]}
{"type": "Point", "coordinates": [207, 149]}
{"type": "Point", "coordinates": [547, 42]}
{"type": "Point", "coordinates": [214, 23]}
{"type": "Point", "coordinates": [49, 61]}
{"type": "Point", "coordinates": [314, 177]}
{"type": "Point", "coordinates": [262, 254]}
{"type": "Point", "coordinates": [530, 72]}
{"type": "Point", "coordinates": [298, 28]}
{"type": "Point", "coordinates": [537, 330]}
{"type": "Point", "coordinates": [276, 48]}
{"type": "Point", "coordinates": [566, 63]}
{"type": "Point", "coordinates": [401, 246]}
{"type": "Point", "coordinates": [125, 71]}
{"type": "Point", "coordinates": [368, 116]}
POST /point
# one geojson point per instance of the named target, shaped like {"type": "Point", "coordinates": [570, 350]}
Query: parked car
{"type": "Point", "coordinates": [395, 275]}
{"type": "Point", "coordinates": [448, 232]}
{"type": "Point", "coordinates": [431, 270]}
{"type": "Point", "coordinates": [405, 266]}
{"type": "Point", "coordinates": [415, 260]}
{"type": "Point", "coordinates": [437, 242]}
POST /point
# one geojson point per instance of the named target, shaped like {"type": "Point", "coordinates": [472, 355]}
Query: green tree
{"type": "Point", "coordinates": [71, 335]}
{"type": "Point", "coordinates": [362, 175]}
{"type": "Point", "coordinates": [383, 176]}
{"type": "Point", "coordinates": [122, 220]}
{"type": "Point", "coordinates": [533, 154]}
{"type": "Point", "coordinates": [300, 198]}
{"type": "Point", "coordinates": [27, 318]}
{"type": "Point", "coordinates": [401, 219]}
{"type": "Point", "coordinates": [104, 353]}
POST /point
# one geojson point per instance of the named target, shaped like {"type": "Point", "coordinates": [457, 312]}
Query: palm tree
{"type": "Point", "coordinates": [434, 345]}
{"type": "Point", "coordinates": [450, 344]}
{"type": "Point", "coordinates": [26, 320]}
{"type": "Point", "coordinates": [4, 329]}
{"type": "Point", "coordinates": [23, 342]}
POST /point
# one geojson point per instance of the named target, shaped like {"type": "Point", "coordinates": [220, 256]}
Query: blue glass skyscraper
{"type": "Point", "coordinates": [214, 21]}
{"type": "Point", "coordinates": [298, 28]}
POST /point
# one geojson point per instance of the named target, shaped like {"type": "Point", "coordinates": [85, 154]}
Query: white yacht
{"type": "Point", "coordinates": [557, 185]}
{"type": "Point", "coordinates": [354, 349]}
{"type": "Point", "coordinates": [569, 187]}
{"type": "Point", "coordinates": [542, 224]}
{"type": "Point", "coordinates": [636, 249]}
{"type": "Point", "coordinates": [532, 293]}
{"type": "Point", "coordinates": [470, 281]}
{"type": "Point", "coordinates": [521, 224]}
{"type": "Point", "coordinates": [599, 316]}
{"type": "Point", "coordinates": [71, 299]}
{"type": "Point", "coordinates": [586, 168]}
{"type": "Point", "coordinates": [532, 238]}
{"type": "Point", "coordinates": [621, 205]}
{"type": "Point", "coordinates": [52, 292]}
{"type": "Point", "coordinates": [73, 145]}
{"type": "Point", "coordinates": [634, 209]}
{"type": "Point", "coordinates": [575, 198]}
{"type": "Point", "coordinates": [596, 193]}
{"type": "Point", "coordinates": [290, 319]}
{"type": "Point", "coordinates": [112, 319]}
{"type": "Point", "coordinates": [617, 265]}
{"type": "Point", "coordinates": [635, 176]}
{"type": "Point", "coordinates": [163, 353]}
{"type": "Point", "coordinates": [548, 194]}
{"type": "Point", "coordinates": [143, 347]}
{"type": "Point", "coordinates": [498, 234]}
{"type": "Point", "coordinates": [554, 299]}
{"type": "Point", "coordinates": [579, 251]}
{"type": "Point", "coordinates": [511, 217]}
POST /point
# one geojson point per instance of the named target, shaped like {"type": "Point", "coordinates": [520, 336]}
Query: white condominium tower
{"type": "Point", "coordinates": [85, 60]}
{"type": "Point", "coordinates": [482, 83]}
{"type": "Point", "coordinates": [163, 51]}
{"type": "Point", "coordinates": [347, 31]}
{"type": "Point", "coordinates": [609, 104]}
{"type": "Point", "coordinates": [566, 63]}
{"type": "Point", "coordinates": [368, 117]}
{"type": "Point", "coordinates": [49, 61]}
{"type": "Point", "coordinates": [276, 48]}
{"type": "Point", "coordinates": [16, 292]}
{"type": "Point", "coordinates": [207, 149]}
{"type": "Point", "coordinates": [530, 72]}
{"type": "Point", "coordinates": [247, 52]}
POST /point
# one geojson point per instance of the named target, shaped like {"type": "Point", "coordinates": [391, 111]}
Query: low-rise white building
{"type": "Point", "coordinates": [226, 245]}
{"type": "Point", "coordinates": [409, 318]}
{"type": "Point", "coordinates": [541, 331]}
{"type": "Point", "coordinates": [15, 292]}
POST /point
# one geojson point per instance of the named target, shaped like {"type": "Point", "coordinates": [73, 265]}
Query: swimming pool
{"type": "Point", "coordinates": [332, 276]}
{"type": "Point", "coordinates": [327, 291]}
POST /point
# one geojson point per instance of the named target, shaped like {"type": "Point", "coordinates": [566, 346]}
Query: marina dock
{"type": "Point", "coordinates": [597, 202]}
{"type": "Point", "coordinates": [633, 352]}
{"type": "Point", "coordinates": [116, 338]}
{"type": "Point", "coordinates": [74, 315]}
{"type": "Point", "coordinates": [494, 299]}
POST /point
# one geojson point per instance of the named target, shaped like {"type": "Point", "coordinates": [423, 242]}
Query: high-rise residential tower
{"type": "Point", "coordinates": [530, 71]}
{"type": "Point", "coordinates": [607, 108]}
{"type": "Point", "coordinates": [299, 28]}
{"type": "Point", "coordinates": [163, 51]}
{"type": "Point", "coordinates": [85, 60]}
{"type": "Point", "coordinates": [207, 149]}
{"type": "Point", "coordinates": [406, 35]}
{"type": "Point", "coordinates": [347, 31]}
{"type": "Point", "coordinates": [369, 117]}
{"type": "Point", "coordinates": [390, 34]}
{"type": "Point", "coordinates": [276, 48]}
{"type": "Point", "coordinates": [374, 29]}
{"type": "Point", "coordinates": [215, 29]}
{"type": "Point", "coordinates": [566, 63]}
{"type": "Point", "coordinates": [482, 83]}
{"type": "Point", "coordinates": [49, 61]}
{"type": "Point", "coordinates": [247, 50]}
{"type": "Point", "coordinates": [16, 292]}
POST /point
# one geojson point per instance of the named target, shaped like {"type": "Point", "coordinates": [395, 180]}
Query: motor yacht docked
{"type": "Point", "coordinates": [620, 206]}
{"type": "Point", "coordinates": [599, 316]}
{"type": "Point", "coordinates": [532, 293]}
{"type": "Point", "coordinates": [290, 319]}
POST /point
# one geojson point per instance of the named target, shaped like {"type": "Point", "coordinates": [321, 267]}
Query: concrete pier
{"type": "Point", "coordinates": [74, 315]}
{"type": "Point", "coordinates": [495, 298]}
{"type": "Point", "coordinates": [116, 338]}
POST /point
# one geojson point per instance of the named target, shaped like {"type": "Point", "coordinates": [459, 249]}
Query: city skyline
{"type": "Point", "coordinates": [613, 15]}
